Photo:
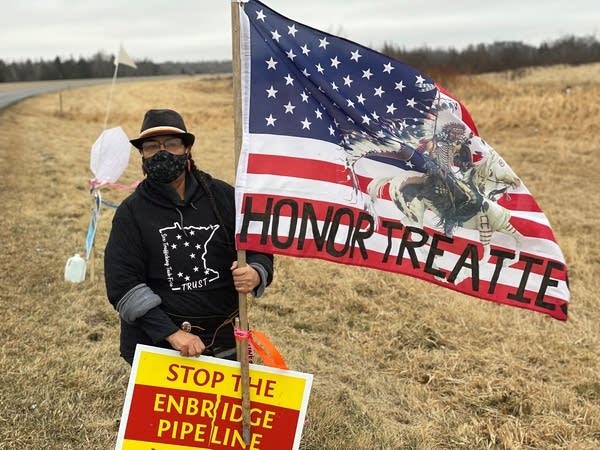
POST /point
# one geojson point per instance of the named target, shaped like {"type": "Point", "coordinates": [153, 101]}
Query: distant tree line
{"type": "Point", "coordinates": [499, 56]}
{"type": "Point", "coordinates": [101, 65]}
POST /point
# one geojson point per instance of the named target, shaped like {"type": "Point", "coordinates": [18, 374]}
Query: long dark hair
{"type": "Point", "coordinates": [201, 177]}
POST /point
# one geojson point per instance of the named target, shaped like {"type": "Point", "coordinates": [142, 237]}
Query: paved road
{"type": "Point", "coordinates": [13, 92]}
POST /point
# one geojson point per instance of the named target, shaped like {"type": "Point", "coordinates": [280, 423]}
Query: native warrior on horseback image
{"type": "Point", "coordinates": [454, 198]}
{"type": "Point", "coordinates": [446, 170]}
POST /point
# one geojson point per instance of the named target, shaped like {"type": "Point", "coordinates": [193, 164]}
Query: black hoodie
{"type": "Point", "coordinates": [171, 259]}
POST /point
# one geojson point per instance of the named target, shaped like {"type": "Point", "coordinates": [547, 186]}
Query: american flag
{"type": "Point", "coordinates": [356, 158]}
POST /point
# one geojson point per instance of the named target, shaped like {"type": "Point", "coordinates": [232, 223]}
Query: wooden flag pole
{"type": "Point", "coordinates": [241, 254]}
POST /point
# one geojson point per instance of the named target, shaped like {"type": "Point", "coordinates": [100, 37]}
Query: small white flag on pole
{"type": "Point", "coordinates": [124, 58]}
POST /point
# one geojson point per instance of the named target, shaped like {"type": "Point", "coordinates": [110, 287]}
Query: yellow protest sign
{"type": "Point", "coordinates": [176, 403]}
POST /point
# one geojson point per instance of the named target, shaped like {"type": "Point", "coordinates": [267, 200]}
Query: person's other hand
{"type": "Point", "coordinates": [188, 344]}
{"type": "Point", "coordinates": [245, 278]}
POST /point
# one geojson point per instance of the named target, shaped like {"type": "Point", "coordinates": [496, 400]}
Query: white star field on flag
{"type": "Point", "coordinates": [308, 84]}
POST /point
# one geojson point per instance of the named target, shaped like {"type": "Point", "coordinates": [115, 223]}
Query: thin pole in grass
{"type": "Point", "coordinates": [92, 252]}
{"type": "Point", "coordinates": [242, 353]}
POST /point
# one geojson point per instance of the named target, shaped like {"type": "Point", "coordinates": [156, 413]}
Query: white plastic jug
{"type": "Point", "coordinates": [75, 269]}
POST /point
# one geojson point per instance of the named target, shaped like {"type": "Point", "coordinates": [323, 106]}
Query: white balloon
{"type": "Point", "coordinates": [110, 155]}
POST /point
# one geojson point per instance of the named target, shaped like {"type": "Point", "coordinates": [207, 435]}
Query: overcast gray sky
{"type": "Point", "coordinates": [196, 30]}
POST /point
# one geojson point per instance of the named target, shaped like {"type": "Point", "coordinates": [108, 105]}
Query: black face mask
{"type": "Point", "coordinates": [164, 167]}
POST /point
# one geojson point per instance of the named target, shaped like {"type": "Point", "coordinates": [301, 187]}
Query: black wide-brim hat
{"type": "Point", "coordinates": [158, 122]}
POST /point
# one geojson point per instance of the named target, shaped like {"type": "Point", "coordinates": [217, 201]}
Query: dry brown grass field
{"type": "Point", "coordinates": [397, 363]}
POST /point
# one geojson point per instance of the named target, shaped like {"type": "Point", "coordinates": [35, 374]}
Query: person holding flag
{"type": "Point", "coordinates": [170, 261]}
